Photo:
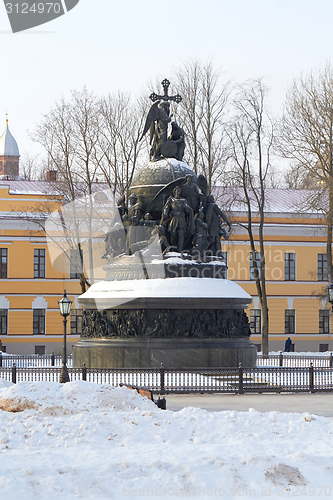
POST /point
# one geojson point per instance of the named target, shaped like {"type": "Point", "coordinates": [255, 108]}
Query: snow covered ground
{"type": "Point", "coordinates": [89, 441]}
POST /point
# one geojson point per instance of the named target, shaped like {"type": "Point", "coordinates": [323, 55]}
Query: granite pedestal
{"type": "Point", "coordinates": [182, 321]}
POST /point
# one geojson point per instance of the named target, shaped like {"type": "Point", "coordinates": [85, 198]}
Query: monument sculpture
{"type": "Point", "coordinates": [165, 297]}
{"type": "Point", "coordinates": [157, 122]}
{"type": "Point", "coordinates": [179, 220]}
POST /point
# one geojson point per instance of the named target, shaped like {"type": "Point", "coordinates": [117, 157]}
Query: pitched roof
{"type": "Point", "coordinates": [277, 200]}
{"type": "Point", "coordinates": [27, 187]}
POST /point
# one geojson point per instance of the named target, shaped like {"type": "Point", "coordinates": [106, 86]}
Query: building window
{"type": "Point", "coordinates": [38, 321]}
{"type": "Point", "coordinates": [40, 350]}
{"type": "Point", "coordinates": [289, 321]}
{"type": "Point", "coordinates": [39, 263]}
{"type": "Point", "coordinates": [76, 321]}
{"type": "Point", "coordinates": [322, 267]}
{"type": "Point", "coordinates": [75, 263]}
{"type": "Point", "coordinates": [258, 261]}
{"type": "Point", "coordinates": [324, 321]}
{"type": "Point", "coordinates": [290, 266]}
{"type": "Point", "coordinates": [255, 321]}
{"type": "Point", "coordinates": [3, 321]}
{"type": "Point", "coordinates": [4, 262]}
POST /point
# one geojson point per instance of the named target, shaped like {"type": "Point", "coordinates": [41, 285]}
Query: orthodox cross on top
{"type": "Point", "coordinates": [166, 97]}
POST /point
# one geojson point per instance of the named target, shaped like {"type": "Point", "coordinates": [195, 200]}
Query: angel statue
{"type": "Point", "coordinates": [157, 122]}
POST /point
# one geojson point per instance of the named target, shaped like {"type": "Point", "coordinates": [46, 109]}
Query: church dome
{"type": "Point", "coordinates": [8, 145]}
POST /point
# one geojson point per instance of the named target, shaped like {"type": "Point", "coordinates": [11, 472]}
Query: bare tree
{"type": "Point", "coordinates": [29, 167]}
{"type": "Point", "coordinates": [188, 82]}
{"type": "Point", "coordinates": [203, 115]}
{"type": "Point", "coordinates": [119, 149]}
{"type": "Point", "coordinates": [293, 177]}
{"type": "Point", "coordinates": [307, 138]}
{"type": "Point", "coordinates": [68, 134]}
{"type": "Point", "coordinates": [84, 114]}
{"type": "Point", "coordinates": [251, 135]}
{"type": "Point", "coordinates": [86, 138]}
{"type": "Point", "coordinates": [73, 230]}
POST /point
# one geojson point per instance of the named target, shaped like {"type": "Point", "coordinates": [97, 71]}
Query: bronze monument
{"type": "Point", "coordinates": [165, 297]}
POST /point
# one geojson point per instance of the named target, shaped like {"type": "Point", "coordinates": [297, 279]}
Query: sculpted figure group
{"type": "Point", "coordinates": [157, 122]}
{"type": "Point", "coordinates": [198, 323]}
{"type": "Point", "coordinates": [163, 146]}
{"type": "Point", "coordinates": [189, 221]}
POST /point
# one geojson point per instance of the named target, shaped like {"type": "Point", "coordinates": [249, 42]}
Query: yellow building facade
{"type": "Point", "coordinates": [31, 284]}
{"type": "Point", "coordinates": [30, 287]}
{"type": "Point", "coordinates": [296, 272]}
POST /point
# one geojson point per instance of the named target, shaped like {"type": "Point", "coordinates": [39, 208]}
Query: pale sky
{"type": "Point", "coordinates": [108, 45]}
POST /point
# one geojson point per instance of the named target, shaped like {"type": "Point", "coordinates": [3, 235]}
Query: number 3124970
{"type": "Point", "coordinates": [35, 8]}
{"type": "Point", "coordinates": [304, 491]}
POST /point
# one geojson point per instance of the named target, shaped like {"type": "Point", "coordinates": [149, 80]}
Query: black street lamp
{"type": "Point", "coordinates": [330, 294]}
{"type": "Point", "coordinates": [65, 309]}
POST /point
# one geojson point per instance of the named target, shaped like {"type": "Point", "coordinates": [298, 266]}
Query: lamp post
{"type": "Point", "coordinates": [330, 294]}
{"type": "Point", "coordinates": [65, 309]}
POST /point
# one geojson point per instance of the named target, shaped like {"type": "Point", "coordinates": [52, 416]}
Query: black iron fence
{"type": "Point", "coordinates": [32, 360]}
{"type": "Point", "coordinates": [163, 381]}
{"type": "Point", "coordinates": [293, 360]}
{"type": "Point", "coordinates": [277, 359]}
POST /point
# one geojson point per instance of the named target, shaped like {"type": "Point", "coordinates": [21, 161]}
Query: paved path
{"type": "Point", "coordinates": [318, 403]}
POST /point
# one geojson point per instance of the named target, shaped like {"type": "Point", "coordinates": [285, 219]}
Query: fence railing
{"type": "Point", "coordinates": [197, 380]}
{"type": "Point", "coordinates": [279, 359]}
{"type": "Point", "coordinates": [32, 360]}
{"type": "Point", "coordinates": [294, 360]}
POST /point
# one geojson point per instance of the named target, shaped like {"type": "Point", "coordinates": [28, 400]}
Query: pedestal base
{"type": "Point", "coordinates": [173, 353]}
